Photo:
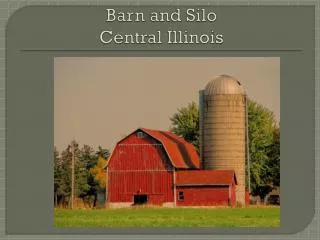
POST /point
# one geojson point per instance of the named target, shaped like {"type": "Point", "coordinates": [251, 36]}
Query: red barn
{"type": "Point", "coordinates": [158, 167]}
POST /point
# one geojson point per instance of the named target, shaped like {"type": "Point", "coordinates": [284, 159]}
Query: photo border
{"type": "Point", "coordinates": [310, 226]}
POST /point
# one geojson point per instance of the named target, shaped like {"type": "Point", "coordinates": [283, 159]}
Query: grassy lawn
{"type": "Point", "coordinates": [168, 217]}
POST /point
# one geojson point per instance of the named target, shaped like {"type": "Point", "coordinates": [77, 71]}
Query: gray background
{"type": "Point", "coordinates": [292, 54]}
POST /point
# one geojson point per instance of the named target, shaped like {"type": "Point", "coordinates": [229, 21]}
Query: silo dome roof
{"type": "Point", "coordinates": [224, 84]}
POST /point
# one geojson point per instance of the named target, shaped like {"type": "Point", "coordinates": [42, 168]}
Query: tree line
{"type": "Point", "coordinates": [89, 176]}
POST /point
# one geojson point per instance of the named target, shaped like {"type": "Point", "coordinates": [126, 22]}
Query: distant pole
{"type": "Point", "coordinates": [72, 173]}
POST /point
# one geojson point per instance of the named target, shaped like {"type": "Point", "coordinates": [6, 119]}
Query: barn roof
{"type": "Point", "coordinates": [205, 177]}
{"type": "Point", "coordinates": [181, 153]}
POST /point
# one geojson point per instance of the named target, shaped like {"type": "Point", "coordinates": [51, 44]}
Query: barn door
{"type": "Point", "coordinates": [140, 199]}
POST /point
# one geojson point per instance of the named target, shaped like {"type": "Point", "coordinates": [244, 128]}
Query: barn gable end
{"type": "Point", "coordinates": [139, 170]}
{"type": "Point", "coordinates": [139, 151]}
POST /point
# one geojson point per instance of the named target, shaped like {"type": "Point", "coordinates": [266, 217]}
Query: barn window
{"type": "Point", "coordinates": [180, 196]}
{"type": "Point", "coordinates": [141, 134]}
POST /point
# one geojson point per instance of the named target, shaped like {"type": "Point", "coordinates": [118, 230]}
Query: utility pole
{"type": "Point", "coordinates": [72, 173]}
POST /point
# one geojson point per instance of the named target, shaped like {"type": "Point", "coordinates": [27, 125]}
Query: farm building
{"type": "Point", "coordinates": [158, 167]}
{"type": "Point", "coordinates": [161, 168]}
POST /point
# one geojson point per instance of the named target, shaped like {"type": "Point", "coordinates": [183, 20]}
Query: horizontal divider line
{"type": "Point", "coordinates": [158, 50]}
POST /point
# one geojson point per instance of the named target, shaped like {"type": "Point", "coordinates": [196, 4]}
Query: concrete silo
{"type": "Point", "coordinates": [223, 128]}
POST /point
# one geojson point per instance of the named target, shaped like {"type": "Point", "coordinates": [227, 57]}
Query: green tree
{"type": "Point", "coordinates": [86, 184]}
{"type": "Point", "coordinates": [104, 153]}
{"type": "Point", "coordinates": [261, 126]}
{"type": "Point", "coordinates": [88, 159]}
{"type": "Point", "coordinates": [274, 159]}
{"type": "Point", "coordinates": [62, 177]}
{"type": "Point", "coordinates": [91, 159]}
{"type": "Point", "coordinates": [57, 176]}
{"type": "Point", "coordinates": [82, 165]}
{"type": "Point", "coordinates": [185, 123]}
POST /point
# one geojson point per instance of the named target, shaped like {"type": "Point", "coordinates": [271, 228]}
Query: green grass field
{"type": "Point", "coordinates": [168, 217]}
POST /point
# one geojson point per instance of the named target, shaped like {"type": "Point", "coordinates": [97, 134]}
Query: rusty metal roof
{"type": "Point", "coordinates": [224, 84]}
{"type": "Point", "coordinates": [205, 177]}
{"type": "Point", "coordinates": [181, 153]}
{"type": "Point", "coordinates": [190, 153]}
